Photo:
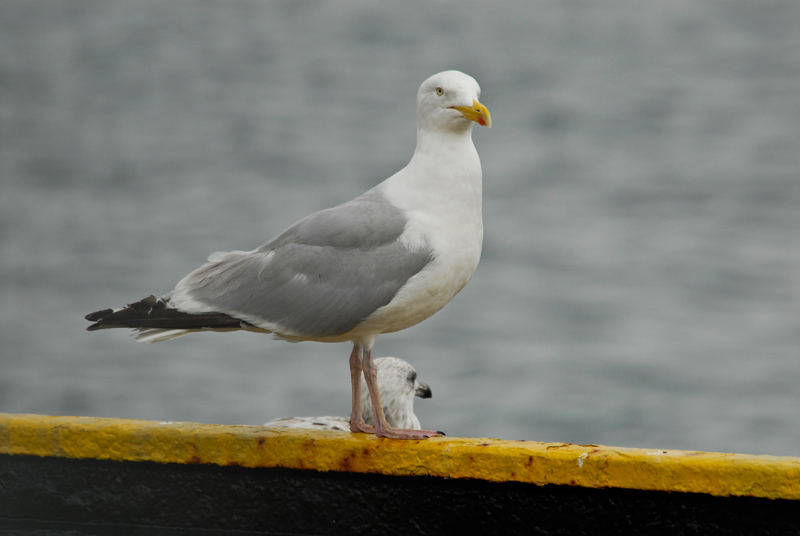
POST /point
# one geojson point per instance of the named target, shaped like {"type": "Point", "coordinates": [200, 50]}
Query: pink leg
{"type": "Point", "coordinates": [382, 428]}
{"type": "Point", "coordinates": [356, 420]}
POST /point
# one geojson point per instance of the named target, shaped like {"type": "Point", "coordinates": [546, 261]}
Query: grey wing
{"type": "Point", "coordinates": [319, 278]}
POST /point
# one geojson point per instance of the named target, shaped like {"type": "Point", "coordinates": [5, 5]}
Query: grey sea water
{"type": "Point", "coordinates": [640, 280]}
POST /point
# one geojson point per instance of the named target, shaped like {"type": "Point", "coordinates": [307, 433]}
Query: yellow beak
{"type": "Point", "coordinates": [477, 112]}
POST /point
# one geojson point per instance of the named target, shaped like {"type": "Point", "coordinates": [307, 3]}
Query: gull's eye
{"type": "Point", "coordinates": [439, 91]}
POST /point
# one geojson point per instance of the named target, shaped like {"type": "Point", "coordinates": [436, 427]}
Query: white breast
{"type": "Point", "coordinates": [444, 212]}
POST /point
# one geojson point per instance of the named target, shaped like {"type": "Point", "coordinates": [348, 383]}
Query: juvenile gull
{"type": "Point", "coordinates": [397, 384]}
{"type": "Point", "coordinates": [380, 263]}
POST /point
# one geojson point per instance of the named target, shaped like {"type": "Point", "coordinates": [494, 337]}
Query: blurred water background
{"type": "Point", "coordinates": [640, 280]}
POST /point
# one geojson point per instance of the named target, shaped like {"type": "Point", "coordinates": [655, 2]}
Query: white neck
{"type": "Point", "coordinates": [443, 181]}
{"type": "Point", "coordinates": [446, 165]}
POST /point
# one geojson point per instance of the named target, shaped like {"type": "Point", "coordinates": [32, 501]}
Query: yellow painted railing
{"type": "Point", "coordinates": [591, 466]}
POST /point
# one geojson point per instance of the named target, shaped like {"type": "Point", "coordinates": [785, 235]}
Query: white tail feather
{"type": "Point", "coordinates": [160, 335]}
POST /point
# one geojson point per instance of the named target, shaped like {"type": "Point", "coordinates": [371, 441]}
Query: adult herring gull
{"type": "Point", "coordinates": [380, 263]}
{"type": "Point", "coordinates": [397, 384]}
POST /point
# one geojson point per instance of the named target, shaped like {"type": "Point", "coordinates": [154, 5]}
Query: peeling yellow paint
{"type": "Point", "coordinates": [591, 466]}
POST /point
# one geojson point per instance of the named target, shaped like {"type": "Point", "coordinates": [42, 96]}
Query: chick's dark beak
{"type": "Point", "coordinates": [423, 391]}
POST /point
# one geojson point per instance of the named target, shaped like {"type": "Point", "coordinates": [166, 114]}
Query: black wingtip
{"type": "Point", "coordinates": [440, 432]}
{"type": "Point", "coordinates": [97, 315]}
{"type": "Point", "coordinates": [154, 313]}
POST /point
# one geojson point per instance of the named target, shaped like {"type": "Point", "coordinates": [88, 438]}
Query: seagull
{"type": "Point", "coordinates": [397, 384]}
{"type": "Point", "coordinates": [379, 263]}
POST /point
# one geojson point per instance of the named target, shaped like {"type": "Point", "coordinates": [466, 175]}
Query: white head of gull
{"type": "Point", "coordinates": [380, 263]}
{"type": "Point", "coordinates": [397, 384]}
